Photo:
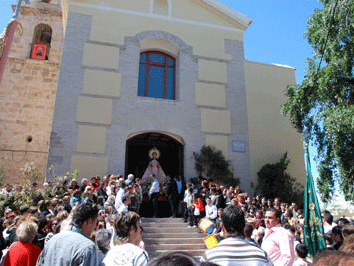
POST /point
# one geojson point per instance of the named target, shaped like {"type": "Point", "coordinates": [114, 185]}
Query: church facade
{"type": "Point", "coordinates": [165, 75]}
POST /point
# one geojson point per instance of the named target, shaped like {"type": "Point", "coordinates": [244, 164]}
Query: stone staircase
{"type": "Point", "coordinates": [166, 235]}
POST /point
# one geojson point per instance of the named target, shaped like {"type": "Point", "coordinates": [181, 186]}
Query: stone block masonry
{"type": "Point", "coordinates": [27, 97]}
{"type": "Point", "coordinates": [28, 91]}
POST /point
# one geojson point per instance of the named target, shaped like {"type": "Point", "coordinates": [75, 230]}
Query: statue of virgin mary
{"type": "Point", "coordinates": [154, 167]}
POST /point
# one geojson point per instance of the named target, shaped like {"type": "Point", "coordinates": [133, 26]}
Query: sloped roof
{"type": "Point", "coordinates": [244, 20]}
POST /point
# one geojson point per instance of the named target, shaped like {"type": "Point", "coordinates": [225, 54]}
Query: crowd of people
{"type": "Point", "coordinates": [98, 223]}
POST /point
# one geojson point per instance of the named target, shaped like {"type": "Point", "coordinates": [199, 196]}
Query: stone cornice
{"type": "Point", "coordinates": [40, 10]}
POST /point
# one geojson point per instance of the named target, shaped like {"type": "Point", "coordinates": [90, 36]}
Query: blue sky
{"type": "Point", "coordinates": [275, 35]}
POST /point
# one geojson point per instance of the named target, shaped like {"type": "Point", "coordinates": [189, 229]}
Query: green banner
{"type": "Point", "coordinates": [313, 226]}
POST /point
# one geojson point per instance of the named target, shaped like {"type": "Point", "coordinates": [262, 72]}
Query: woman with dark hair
{"type": "Point", "coordinates": [100, 202]}
{"type": "Point", "coordinates": [259, 219]}
{"type": "Point", "coordinates": [337, 237]}
{"type": "Point", "coordinates": [220, 201]}
{"type": "Point", "coordinates": [42, 231]}
{"type": "Point", "coordinates": [264, 208]}
{"type": "Point", "coordinates": [288, 215]}
{"type": "Point", "coordinates": [102, 190]}
{"type": "Point", "coordinates": [270, 203]}
{"type": "Point", "coordinates": [74, 185]}
{"type": "Point", "coordinates": [198, 209]}
{"type": "Point", "coordinates": [42, 208]}
{"type": "Point", "coordinates": [53, 229]}
{"type": "Point", "coordinates": [93, 183]}
{"type": "Point", "coordinates": [76, 198]}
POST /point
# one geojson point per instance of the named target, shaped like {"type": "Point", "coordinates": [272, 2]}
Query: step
{"type": "Point", "coordinates": [177, 229]}
{"type": "Point", "coordinates": [164, 224]}
{"type": "Point", "coordinates": [165, 235]}
{"type": "Point", "coordinates": [157, 253]}
{"type": "Point", "coordinates": [173, 247]}
{"type": "Point", "coordinates": [173, 235]}
{"type": "Point", "coordinates": [191, 240]}
{"type": "Point", "coordinates": [161, 220]}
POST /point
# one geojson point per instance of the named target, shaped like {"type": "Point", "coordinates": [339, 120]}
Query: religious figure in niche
{"type": "Point", "coordinates": [154, 167]}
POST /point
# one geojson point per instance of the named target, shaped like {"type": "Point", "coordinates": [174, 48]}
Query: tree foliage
{"type": "Point", "coordinates": [273, 181]}
{"type": "Point", "coordinates": [211, 163]}
{"type": "Point", "coordinates": [16, 200]}
{"type": "Point", "coordinates": [323, 104]}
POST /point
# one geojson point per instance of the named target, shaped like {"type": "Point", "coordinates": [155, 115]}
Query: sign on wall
{"type": "Point", "coordinates": [238, 146]}
{"type": "Point", "coordinates": [39, 51]}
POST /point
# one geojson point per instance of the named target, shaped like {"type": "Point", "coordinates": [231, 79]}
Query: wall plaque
{"type": "Point", "coordinates": [238, 146]}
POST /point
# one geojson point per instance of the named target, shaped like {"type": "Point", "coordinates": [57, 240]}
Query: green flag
{"type": "Point", "coordinates": [313, 227]}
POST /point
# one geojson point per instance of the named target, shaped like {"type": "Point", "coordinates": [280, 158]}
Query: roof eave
{"type": "Point", "coordinates": [244, 20]}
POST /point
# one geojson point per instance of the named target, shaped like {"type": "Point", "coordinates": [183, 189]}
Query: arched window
{"type": "Point", "coordinates": [42, 38]}
{"type": "Point", "coordinates": [157, 75]}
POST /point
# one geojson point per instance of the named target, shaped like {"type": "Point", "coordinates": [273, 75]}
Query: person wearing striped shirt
{"type": "Point", "coordinates": [234, 249]}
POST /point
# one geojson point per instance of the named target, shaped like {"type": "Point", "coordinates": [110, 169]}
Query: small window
{"type": "Point", "coordinates": [157, 73]}
{"type": "Point", "coordinates": [161, 7]}
{"type": "Point", "coordinates": [42, 38]}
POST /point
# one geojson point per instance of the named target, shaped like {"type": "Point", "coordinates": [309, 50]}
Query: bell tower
{"type": "Point", "coordinates": [28, 88]}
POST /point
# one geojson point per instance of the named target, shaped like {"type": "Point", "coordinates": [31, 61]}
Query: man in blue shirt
{"type": "Point", "coordinates": [74, 245]}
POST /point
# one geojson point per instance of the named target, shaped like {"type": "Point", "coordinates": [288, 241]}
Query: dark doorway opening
{"type": "Point", "coordinates": [137, 154]}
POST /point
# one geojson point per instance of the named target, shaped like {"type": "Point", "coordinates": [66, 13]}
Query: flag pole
{"type": "Point", "coordinates": [313, 226]}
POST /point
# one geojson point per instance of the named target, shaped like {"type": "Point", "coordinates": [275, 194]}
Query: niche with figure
{"type": "Point", "coordinates": [42, 38]}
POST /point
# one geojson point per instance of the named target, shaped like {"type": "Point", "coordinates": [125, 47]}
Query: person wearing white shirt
{"type": "Point", "coordinates": [119, 196]}
{"type": "Point", "coordinates": [327, 219]}
{"type": "Point", "coordinates": [277, 241]}
{"type": "Point", "coordinates": [127, 249]}
{"type": "Point", "coordinates": [211, 211]}
{"type": "Point", "coordinates": [124, 206]}
{"type": "Point", "coordinates": [154, 193]}
{"type": "Point", "coordinates": [129, 179]}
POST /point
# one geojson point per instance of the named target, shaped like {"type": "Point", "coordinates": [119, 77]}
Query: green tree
{"type": "Point", "coordinates": [211, 163]}
{"type": "Point", "coordinates": [323, 104]}
{"type": "Point", "coordinates": [31, 173]}
{"type": "Point", "coordinates": [273, 181]}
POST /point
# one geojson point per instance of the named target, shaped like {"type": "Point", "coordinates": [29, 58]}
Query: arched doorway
{"type": "Point", "coordinates": [137, 153]}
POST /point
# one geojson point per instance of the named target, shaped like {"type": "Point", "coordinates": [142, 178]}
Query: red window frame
{"type": "Point", "coordinates": [165, 65]}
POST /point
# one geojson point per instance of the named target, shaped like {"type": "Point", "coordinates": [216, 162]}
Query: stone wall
{"type": "Point", "coordinates": [27, 94]}
{"type": "Point", "coordinates": [26, 106]}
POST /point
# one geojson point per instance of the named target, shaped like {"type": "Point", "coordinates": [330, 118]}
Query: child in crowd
{"type": "Point", "coordinates": [198, 209]}
{"type": "Point", "coordinates": [188, 200]}
{"type": "Point", "coordinates": [301, 251]}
